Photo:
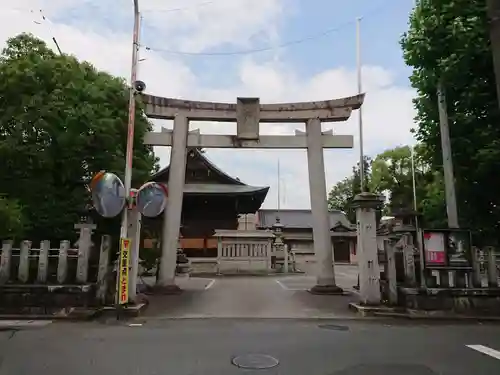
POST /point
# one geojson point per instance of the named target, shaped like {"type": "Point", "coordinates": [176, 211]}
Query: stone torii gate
{"type": "Point", "coordinates": [248, 113]}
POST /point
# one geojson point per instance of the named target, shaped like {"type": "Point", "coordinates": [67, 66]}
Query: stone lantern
{"type": "Point", "coordinates": [278, 244]}
{"type": "Point", "coordinates": [278, 228]}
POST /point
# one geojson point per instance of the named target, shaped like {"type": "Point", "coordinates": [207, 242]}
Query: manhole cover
{"type": "Point", "coordinates": [334, 327]}
{"type": "Point", "coordinates": [255, 361]}
{"type": "Point", "coordinates": [386, 369]}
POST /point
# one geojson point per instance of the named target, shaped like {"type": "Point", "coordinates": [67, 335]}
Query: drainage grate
{"type": "Point", "coordinates": [386, 369]}
{"type": "Point", "coordinates": [255, 361]}
{"type": "Point", "coordinates": [334, 327]}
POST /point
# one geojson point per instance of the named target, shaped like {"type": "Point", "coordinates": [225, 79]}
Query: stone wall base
{"type": "Point", "coordinates": [457, 300]}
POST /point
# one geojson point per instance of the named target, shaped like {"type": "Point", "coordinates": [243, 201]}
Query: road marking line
{"type": "Point", "coordinates": [210, 284]}
{"type": "Point", "coordinates": [485, 350]}
{"type": "Point", "coordinates": [135, 325]}
{"type": "Point", "coordinates": [283, 286]}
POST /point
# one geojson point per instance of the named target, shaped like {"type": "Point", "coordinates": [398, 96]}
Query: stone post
{"type": "Point", "coordinates": [102, 275]}
{"type": "Point", "coordinates": [492, 267]}
{"type": "Point", "coordinates": [84, 248]}
{"type": "Point", "coordinates": [325, 283]}
{"type": "Point", "coordinates": [43, 262]}
{"type": "Point", "coordinates": [369, 270]}
{"type": "Point", "coordinates": [173, 211]}
{"type": "Point", "coordinates": [390, 271]}
{"type": "Point", "coordinates": [5, 261]}
{"type": "Point", "coordinates": [24, 259]}
{"type": "Point", "coordinates": [62, 264]}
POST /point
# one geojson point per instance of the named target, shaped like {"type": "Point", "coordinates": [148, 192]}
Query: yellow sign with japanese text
{"type": "Point", "coordinates": [123, 271]}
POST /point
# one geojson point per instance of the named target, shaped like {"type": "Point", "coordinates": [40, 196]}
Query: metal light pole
{"type": "Point", "coordinates": [360, 110]}
{"type": "Point", "coordinates": [414, 183]}
{"type": "Point", "coordinates": [418, 229]}
{"type": "Point", "coordinates": [131, 124]}
{"type": "Point", "coordinates": [449, 177]}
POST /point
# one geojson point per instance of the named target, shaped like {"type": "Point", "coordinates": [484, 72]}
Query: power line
{"type": "Point", "coordinates": [255, 50]}
{"type": "Point", "coordinates": [180, 9]}
{"type": "Point", "coordinates": [289, 43]}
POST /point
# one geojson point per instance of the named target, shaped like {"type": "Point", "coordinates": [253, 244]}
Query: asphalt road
{"type": "Point", "coordinates": [215, 320]}
{"type": "Point", "coordinates": [207, 346]}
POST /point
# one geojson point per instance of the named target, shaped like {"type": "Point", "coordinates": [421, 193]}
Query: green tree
{"type": "Point", "coordinates": [11, 219]}
{"type": "Point", "coordinates": [392, 176]}
{"type": "Point", "coordinates": [343, 192]}
{"type": "Point", "coordinates": [448, 41]}
{"type": "Point", "coordinates": [61, 121]}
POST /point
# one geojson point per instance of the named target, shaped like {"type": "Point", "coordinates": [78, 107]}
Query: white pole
{"type": "Point", "coordinates": [413, 178]}
{"type": "Point", "coordinates": [449, 179]}
{"type": "Point", "coordinates": [131, 124]}
{"type": "Point", "coordinates": [418, 230]}
{"type": "Point", "coordinates": [360, 111]}
{"type": "Point", "coordinates": [279, 186]}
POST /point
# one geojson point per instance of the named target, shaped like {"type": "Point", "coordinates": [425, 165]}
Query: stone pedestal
{"type": "Point", "coordinates": [366, 205]}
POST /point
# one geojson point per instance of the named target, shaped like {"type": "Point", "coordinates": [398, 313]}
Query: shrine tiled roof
{"type": "Point", "coordinates": [223, 189]}
{"type": "Point", "coordinates": [163, 173]}
{"type": "Point", "coordinates": [300, 219]}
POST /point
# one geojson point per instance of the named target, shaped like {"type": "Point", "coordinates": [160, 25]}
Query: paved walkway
{"type": "Point", "coordinates": [253, 297]}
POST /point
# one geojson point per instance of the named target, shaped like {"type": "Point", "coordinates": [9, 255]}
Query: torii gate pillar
{"type": "Point", "coordinates": [323, 248]}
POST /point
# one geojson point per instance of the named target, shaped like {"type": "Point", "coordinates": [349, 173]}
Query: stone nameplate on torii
{"type": "Point", "coordinates": [247, 119]}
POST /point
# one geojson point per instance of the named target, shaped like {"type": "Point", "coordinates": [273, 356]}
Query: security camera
{"type": "Point", "coordinates": [139, 86]}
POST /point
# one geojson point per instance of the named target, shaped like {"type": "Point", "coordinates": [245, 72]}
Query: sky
{"type": "Point", "coordinates": [278, 50]}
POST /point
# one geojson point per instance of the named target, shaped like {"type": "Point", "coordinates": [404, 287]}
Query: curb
{"type": "Point", "coordinates": [441, 318]}
{"type": "Point", "coordinates": [132, 311]}
{"type": "Point", "coordinates": [398, 313]}
{"type": "Point", "coordinates": [48, 317]}
{"type": "Point", "coordinates": [19, 324]}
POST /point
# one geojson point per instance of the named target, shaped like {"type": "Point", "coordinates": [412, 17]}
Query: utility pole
{"type": "Point", "coordinates": [494, 18]}
{"type": "Point", "coordinates": [360, 113]}
{"type": "Point", "coordinates": [130, 129]}
{"type": "Point", "coordinates": [449, 178]}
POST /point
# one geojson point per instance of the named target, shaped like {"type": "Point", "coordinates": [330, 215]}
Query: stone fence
{"type": "Point", "coordinates": [244, 251]}
{"type": "Point", "coordinates": [459, 288]}
{"type": "Point", "coordinates": [51, 278]}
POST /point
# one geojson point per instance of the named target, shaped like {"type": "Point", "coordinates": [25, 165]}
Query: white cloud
{"type": "Point", "coordinates": [387, 112]}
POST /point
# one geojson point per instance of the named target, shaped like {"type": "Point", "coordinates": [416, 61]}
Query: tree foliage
{"type": "Point", "coordinates": [342, 193]}
{"type": "Point", "coordinates": [11, 219]}
{"type": "Point", "coordinates": [390, 175]}
{"type": "Point", "coordinates": [448, 41]}
{"type": "Point", "coordinates": [61, 121]}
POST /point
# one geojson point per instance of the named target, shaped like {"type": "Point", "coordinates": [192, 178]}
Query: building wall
{"type": "Point", "coordinates": [247, 222]}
